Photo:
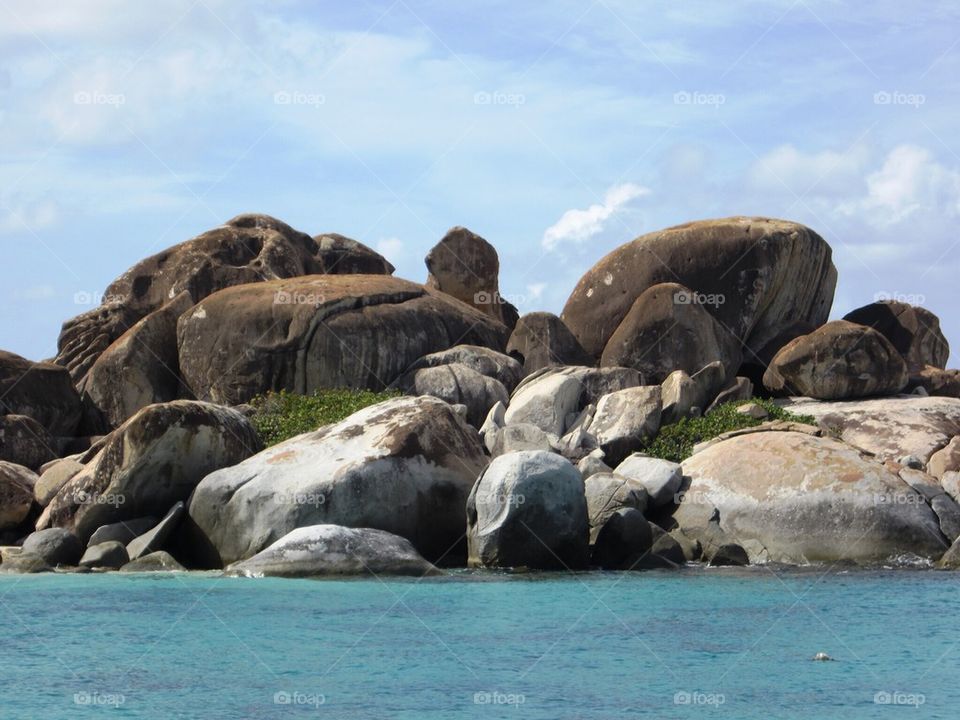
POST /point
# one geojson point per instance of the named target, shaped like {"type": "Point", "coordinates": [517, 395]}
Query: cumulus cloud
{"type": "Point", "coordinates": [577, 226]}
{"type": "Point", "coordinates": [910, 180]}
{"type": "Point", "coordinates": [391, 248]}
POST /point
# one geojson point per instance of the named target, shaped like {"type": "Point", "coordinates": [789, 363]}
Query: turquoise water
{"type": "Point", "coordinates": [698, 643]}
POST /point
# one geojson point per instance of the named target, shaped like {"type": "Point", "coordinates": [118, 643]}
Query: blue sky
{"type": "Point", "coordinates": [557, 130]}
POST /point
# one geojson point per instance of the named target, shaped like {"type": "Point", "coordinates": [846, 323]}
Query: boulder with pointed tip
{"type": "Point", "coordinates": [914, 331]}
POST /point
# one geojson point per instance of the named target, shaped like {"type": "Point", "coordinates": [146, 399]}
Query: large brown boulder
{"type": "Point", "coordinates": [320, 331]}
{"type": "Point", "coordinates": [914, 331]}
{"type": "Point", "coordinates": [247, 249]}
{"type": "Point", "coordinates": [838, 361]}
{"type": "Point", "coordinates": [541, 340]}
{"type": "Point", "coordinates": [41, 390]}
{"type": "Point", "coordinates": [16, 494]}
{"type": "Point", "coordinates": [340, 255]}
{"type": "Point", "coordinates": [139, 369]}
{"type": "Point", "coordinates": [668, 329]}
{"type": "Point", "coordinates": [771, 274]}
{"type": "Point", "coordinates": [25, 442]}
{"type": "Point", "coordinates": [467, 267]}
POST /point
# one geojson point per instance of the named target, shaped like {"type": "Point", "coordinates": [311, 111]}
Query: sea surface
{"type": "Point", "coordinates": [699, 643]}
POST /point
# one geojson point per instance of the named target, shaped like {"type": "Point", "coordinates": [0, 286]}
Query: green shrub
{"type": "Point", "coordinates": [283, 415]}
{"type": "Point", "coordinates": [675, 442]}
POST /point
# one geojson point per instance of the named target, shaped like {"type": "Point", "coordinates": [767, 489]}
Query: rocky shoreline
{"type": "Point", "coordinates": [517, 442]}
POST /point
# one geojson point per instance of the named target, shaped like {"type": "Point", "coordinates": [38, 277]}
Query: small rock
{"type": "Point", "coordinates": [911, 461]}
{"type": "Point", "coordinates": [753, 410]}
{"type": "Point", "coordinates": [160, 561]}
{"type": "Point", "coordinates": [56, 546]}
{"type": "Point", "coordinates": [661, 478]}
{"type": "Point", "coordinates": [110, 554]}
{"type": "Point", "coordinates": [155, 539]}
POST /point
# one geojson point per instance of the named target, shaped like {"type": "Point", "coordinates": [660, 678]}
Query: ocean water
{"type": "Point", "coordinates": [697, 643]}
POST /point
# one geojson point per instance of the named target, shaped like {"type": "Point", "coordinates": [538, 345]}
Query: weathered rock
{"type": "Point", "coordinates": [914, 331]}
{"type": "Point", "coordinates": [122, 532]}
{"type": "Point", "coordinates": [25, 441]}
{"type": "Point", "coordinates": [753, 410]}
{"type": "Point", "coordinates": [950, 482]}
{"type": "Point", "coordinates": [55, 546]}
{"type": "Point", "coordinates": [16, 494]}
{"type": "Point", "coordinates": [54, 478]}
{"type": "Point", "coordinates": [340, 255]}
{"type": "Point", "coordinates": [681, 393]}
{"type": "Point", "coordinates": [795, 498]}
{"type": "Point", "coordinates": [887, 427]}
{"type": "Point", "coordinates": [404, 466]}
{"type": "Point", "coordinates": [155, 459]}
{"type": "Point", "coordinates": [518, 437]}
{"type": "Point", "coordinates": [666, 331]}
{"type": "Point", "coordinates": [322, 550]}
{"type": "Point", "coordinates": [160, 561]}
{"type": "Point", "coordinates": [769, 426]}
{"type": "Point", "coordinates": [541, 340]}
{"type": "Point", "coordinates": [626, 420]}
{"type": "Point", "coordinates": [110, 554]}
{"type": "Point", "coordinates": [43, 391]}
{"type": "Point", "coordinates": [485, 361]}
{"type": "Point", "coordinates": [312, 332]}
{"type": "Point", "coordinates": [691, 547]}
{"type": "Point", "coordinates": [949, 561]}
{"type": "Point", "coordinates": [740, 389]}
{"type": "Point", "coordinates": [606, 493]}
{"type": "Point", "coordinates": [466, 266]}
{"type": "Point", "coordinates": [770, 273]}
{"type": "Point", "coordinates": [838, 361]}
{"type": "Point", "coordinates": [660, 478]}
{"type": "Point", "coordinates": [139, 369]}
{"type": "Point", "coordinates": [23, 563]}
{"type": "Point", "coordinates": [934, 381]}
{"type": "Point", "coordinates": [545, 402]}
{"type": "Point", "coordinates": [945, 460]}
{"type": "Point", "coordinates": [156, 538]}
{"type": "Point", "coordinates": [593, 463]}
{"type": "Point", "coordinates": [528, 510]}
{"type": "Point", "coordinates": [665, 552]}
{"type": "Point", "coordinates": [457, 384]}
{"type": "Point", "coordinates": [623, 541]}
{"type": "Point", "coordinates": [730, 554]}
{"type": "Point", "coordinates": [247, 249]}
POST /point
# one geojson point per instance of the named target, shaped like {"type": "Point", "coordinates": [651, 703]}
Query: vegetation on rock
{"type": "Point", "coordinates": [279, 416]}
{"type": "Point", "coordinates": [675, 442]}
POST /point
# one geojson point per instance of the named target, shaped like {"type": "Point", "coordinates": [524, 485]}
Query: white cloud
{"type": "Point", "coordinates": [391, 248]}
{"type": "Point", "coordinates": [910, 180]}
{"type": "Point", "coordinates": [576, 226]}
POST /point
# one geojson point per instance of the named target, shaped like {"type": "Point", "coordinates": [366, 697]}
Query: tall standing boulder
{"type": "Point", "coordinates": [914, 331]}
{"type": "Point", "coordinates": [528, 509]}
{"type": "Point", "coordinates": [669, 329]}
{"type": "Point", "coordinates": [771, 273]}
{"type": "Point", "coordinates": [405, 466]}
{"type": "Point", "coordinates": [320, 331]}
{"type": "Point", "coordinates": [541, 340]}
{"type": "Point", "coordinates": [149, 463]}
{"type": "Point", "coordinates": [41, 390]}
{"type": "Point", "coordinates": [838, 361]}
{"type": "Point", "coordinates": [467, 267]}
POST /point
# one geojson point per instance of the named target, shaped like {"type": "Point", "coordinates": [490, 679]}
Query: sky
{"type": "Point", "coordinates": [556, 130]}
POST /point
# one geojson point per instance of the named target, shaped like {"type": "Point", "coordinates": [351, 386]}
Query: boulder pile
{"type": "Point", "coordinates": [692, 403]}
